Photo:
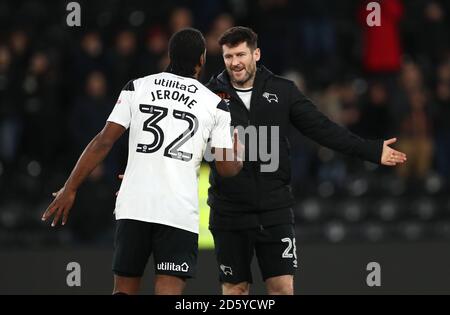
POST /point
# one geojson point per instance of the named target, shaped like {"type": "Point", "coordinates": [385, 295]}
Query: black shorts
{"type": "Point", "coordinates": [174, 250]}
{"type": "Point", "coordinates": [274, 247]}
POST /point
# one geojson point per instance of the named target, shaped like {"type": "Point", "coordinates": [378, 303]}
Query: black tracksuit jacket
{"type": "Point", "coordinates": [254, 199]}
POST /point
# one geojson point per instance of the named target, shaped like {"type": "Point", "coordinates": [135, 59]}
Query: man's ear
{"type": "Point", "coordinates": [203, 59]}
{"type": "Point", "coordinates": [257, 54]}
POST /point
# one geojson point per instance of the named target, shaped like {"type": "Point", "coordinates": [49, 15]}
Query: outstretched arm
{"type": "Point", "coordinates": [316, 126]}
{"type": "Point", "coordinates": [93, 155]}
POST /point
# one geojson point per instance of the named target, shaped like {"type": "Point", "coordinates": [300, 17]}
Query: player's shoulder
{"type": "Point", "coordinates": [206, 92]}
{"type": "Point", "coordinates": [148, 79]}
{"type": "Point", "coordinates": [133, 84]}
{"type": "Point", "coordinates": [145, 80]}
{"type": "Point", "coordinates": [203, 93]}
{"type": "Point", "coordinates": [129, 86]}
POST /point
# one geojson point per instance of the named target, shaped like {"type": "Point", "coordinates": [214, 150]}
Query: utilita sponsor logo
{"type": "Point", "coordinates": [176, 85]}
{"type": "Point", "coordinates": [173, 267]}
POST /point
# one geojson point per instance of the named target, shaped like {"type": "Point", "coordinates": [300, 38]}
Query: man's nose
{"type": "Point", "coordinates": [234, 61]}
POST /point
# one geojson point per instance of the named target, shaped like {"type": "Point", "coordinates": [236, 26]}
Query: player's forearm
{"type": "Point", "coordinates": [228, 163]}
{"type": "Point", "coordinates": [92, 156]}
{"type": "Point", "coordinates": [228, 168]}
{"type": "Point", "coordinates": [236, 167]}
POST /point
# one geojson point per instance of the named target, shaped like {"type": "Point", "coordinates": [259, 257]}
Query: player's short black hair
{"type": "Point", "coordinates": [237, 35]}
{"type": "Point", "coordinates": [185, 49]}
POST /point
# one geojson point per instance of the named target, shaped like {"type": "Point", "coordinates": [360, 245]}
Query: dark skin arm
{"type": "Point", "coordinates": [228, 161]}
{"type": "Point", "coordinates": [93, 155]}
{"type": "Point", "coordinates": [226, 168]}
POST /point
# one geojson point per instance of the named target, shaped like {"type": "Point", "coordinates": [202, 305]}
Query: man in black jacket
{"type": "Point", "coordinates": [252, 211]}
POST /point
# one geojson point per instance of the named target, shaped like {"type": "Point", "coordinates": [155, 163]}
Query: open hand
{"type": "Point", "coordinates": [391, 157]}
{"type": "Point", "coordinates": [60, 206]}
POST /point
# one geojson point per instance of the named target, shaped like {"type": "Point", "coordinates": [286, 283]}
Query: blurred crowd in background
{"type": "Point", "coordinates": [58, 84]}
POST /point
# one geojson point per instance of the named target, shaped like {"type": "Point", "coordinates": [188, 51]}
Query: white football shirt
{"type": "Point", "coordinates": [170, 119]}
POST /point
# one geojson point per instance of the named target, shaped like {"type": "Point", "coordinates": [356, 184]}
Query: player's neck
{"type": "Point", "coordinates": [198, 72]}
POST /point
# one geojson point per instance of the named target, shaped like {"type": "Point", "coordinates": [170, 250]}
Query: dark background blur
{"type": "Point", "coordinates": [58, 84]}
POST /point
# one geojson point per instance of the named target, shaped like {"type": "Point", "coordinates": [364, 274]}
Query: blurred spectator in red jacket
{"type": "Point", "coordinates": [382, 48]}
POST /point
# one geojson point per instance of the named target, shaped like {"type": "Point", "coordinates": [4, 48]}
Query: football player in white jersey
{"type": "Point", "coordinates": [171, 117]}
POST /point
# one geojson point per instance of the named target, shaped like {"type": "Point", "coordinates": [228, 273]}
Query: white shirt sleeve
{"type": "Point", "coordinates": [121, 114]}
{"type": "Point", "coordinates": [221, 132]}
